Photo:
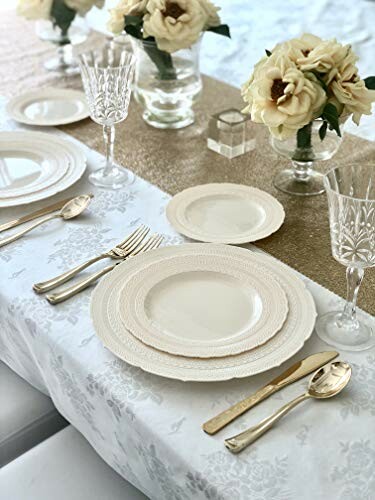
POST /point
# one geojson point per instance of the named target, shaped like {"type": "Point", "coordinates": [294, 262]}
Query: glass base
{"type": "Point", "coordinates": [117, 178]}
{"type": "Point", "coordinates": [287, 182]}
{"type": "Point", "coordinates": [180, 120]}
{"type": "Point", "coordinates": [343, 337]}
{"type": "Point", "coordinates": [55, 64]}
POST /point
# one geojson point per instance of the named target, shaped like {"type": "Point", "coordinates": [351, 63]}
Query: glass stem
{"type": "Point", "coordinates": [354, 277]}
{"type": "Point", "coordinates": [109, 141]}
{"type": "Point", "coordinates": [302, 170]}
{"type": "Point", "coordinates": [64, 55]}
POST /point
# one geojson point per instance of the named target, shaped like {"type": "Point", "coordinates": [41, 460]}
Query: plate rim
{"type": "Point", "coordinates": [172, 213]}
{"type": "Point", "coordinates": [216, 374]}
{"type": "Point", "coordinates": [13, 105]}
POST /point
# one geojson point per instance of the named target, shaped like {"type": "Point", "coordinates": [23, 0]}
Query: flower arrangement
{"type": "Point", "coordinates": [60, 12]}
{"type": "Point", "coordinates": [166, 26]}
{"type": "Point", "coordinates": [304, 79]}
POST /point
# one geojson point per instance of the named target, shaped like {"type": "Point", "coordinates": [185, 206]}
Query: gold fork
{"type": "Point", "coordinates": [55, 298]}
{"type": "Point", "coordinates": [120, 251]}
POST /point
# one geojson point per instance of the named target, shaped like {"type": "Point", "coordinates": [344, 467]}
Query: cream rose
{"type": "Point", "coordinates": [34, 9]}
{"type": "Point", "coordinates": [298, 48]}
{"type": "Point", "coordinates": [83, 6]}
{"type": "Point", "coordinates": [282, 97]}
{"type": "Point", "coordinates": [211, 13]}
{"type": "Point", "coordinates": [324, 58]}
{"type": "Point", "coordinates": [350, 91]}
{"type": "Point", "coordinates": [175, 24]}
{"type": "Point", "coordinates": [124, 8]}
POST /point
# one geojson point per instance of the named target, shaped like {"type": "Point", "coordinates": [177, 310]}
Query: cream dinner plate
{"type": "Point", "coordinates": [202, 306]}
{"type": "Point", "coordinates": [34, 166]}
{"type": "Point", "coordinates": [289, 340]}
{"type": "Point", "coordinates": [49, 107]}
{"type": "Point", "coordinates": [225, 213]}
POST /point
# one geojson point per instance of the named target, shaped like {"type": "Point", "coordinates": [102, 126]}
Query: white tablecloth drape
{"type": "Point", "coordinates": [149, 428]}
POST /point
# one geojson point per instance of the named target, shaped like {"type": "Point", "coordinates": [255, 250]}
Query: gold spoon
{"type": "Point", "coordinates": [70, 210]}
{"type": "Point", "coordinates": [325, 383]}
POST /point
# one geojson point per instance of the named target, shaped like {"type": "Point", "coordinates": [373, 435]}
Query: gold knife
{"type": "Point", "coordinates": [292, 374]}
{"type": "Point", "coordinates": [34, 215]}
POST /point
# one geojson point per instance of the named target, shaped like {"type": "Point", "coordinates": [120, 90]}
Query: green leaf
{"type": "Point", "coordinates": [134, 31]}
{"type": "Point", "coordinates": [269, 53]}
{"type": "Point", "coordinates": [62, 16]}
{"type": "Point", "coordinates": [370, 82]}
{"type": "Point", "coordinates": [331, 115]}
{"type": "Point", "coordinates": [323, 130]}
{"type": "Point", "coordinates": [134, 20]}
{"type": "Point", "coordinates": [304, 137]}
{"type": "Point", "coordinates": [223, 29]}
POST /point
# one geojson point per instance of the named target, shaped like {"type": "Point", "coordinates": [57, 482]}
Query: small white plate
{"type": "Point", "coordinates": [225, 213]}
{"type": "Point", "coordinates": [34, 166]}
{"type": "Point", "coordinates": [202, 306]}
{"type": "Point", "coordinates": [295, 331]}
{"type": "Point", "coordinates": [49, 107]}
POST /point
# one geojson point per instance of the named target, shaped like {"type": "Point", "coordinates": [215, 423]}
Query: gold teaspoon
{"type": "Point", "coordinates": [70, 210]}
{"type": "Point", "coordinates": [325, 383]}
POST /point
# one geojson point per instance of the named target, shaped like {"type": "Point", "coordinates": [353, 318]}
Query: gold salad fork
{"type": "Point", "coordinates": [120, 251]}
{"type": "Point", "coordinates": [55, 298]}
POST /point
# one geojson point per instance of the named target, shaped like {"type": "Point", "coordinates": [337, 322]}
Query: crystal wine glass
{"type": "Point", "coordinates": [351, 200]}
{"type": "Point", "coordinates": [107, 76]}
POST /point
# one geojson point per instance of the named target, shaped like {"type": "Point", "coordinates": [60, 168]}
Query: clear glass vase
{"type": "Point", "coordinates": [64, 61]}
{"type": "Point", "coordinates": [301, 179]}
{"type": "Point", "coordinates": [167, 85]}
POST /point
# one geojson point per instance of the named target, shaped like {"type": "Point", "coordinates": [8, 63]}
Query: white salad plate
{"type": "Point", "coordinates": [202, 305]}
{"type": "Point", "coordinates": [48, 107]}
{"type": "Point", "coordinates": [34, 166]}
{"type": "Point", "coordinates": [288, 341]}
{"type": "Point", "coordinates": [225, 213]}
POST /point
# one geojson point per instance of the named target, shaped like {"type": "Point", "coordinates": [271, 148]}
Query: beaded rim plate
{"type": "Point", "coordinates": [297, 328]}
{"type": "Point", "coordinates": [202, 305]}
{"type": "Point", "coordinates": [38, 148]}
{"type": "Point", "coordinates": [225, 213]}
{"type": "Point", "coordinates": [49, 107]}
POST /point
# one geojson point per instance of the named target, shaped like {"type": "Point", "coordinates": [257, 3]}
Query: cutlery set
{"type": "Point", "coordinates": [328, 381]}
{"type": "Point", "coordinates": [134, 244]}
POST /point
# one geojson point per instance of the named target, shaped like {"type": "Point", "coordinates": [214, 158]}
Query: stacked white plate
{"type": "Point", "coordinates": [203, 312]}
{"type": "Point", "coordinates": [34, 166]}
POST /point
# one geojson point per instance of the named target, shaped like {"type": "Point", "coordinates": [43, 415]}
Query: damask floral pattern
{"type": "Point", "coordinates": [356, 478]}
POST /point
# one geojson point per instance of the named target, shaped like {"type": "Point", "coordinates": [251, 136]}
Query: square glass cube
{"type": "Point", "coordinates": [229, 133]}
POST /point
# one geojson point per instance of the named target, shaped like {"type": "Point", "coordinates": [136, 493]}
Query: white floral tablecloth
{"type": "Point", "coordinates": [148, 428]}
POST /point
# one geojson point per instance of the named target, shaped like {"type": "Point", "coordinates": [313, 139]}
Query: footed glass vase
{"type": "Point", "coordinates": [301, 179]}
{"type": "Point", "coordinates": [166, 85]}
{"type": "Point", "coordinates": [64, 62]}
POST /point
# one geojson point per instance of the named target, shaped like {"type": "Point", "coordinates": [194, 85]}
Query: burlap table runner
{"type": "Point", "coordinates": [175, 160]}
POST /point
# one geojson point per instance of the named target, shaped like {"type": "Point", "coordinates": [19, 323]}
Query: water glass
{"type": "Point", "coordinates": [107, 75]}
{"type": "Point", "coordinates": [351, 200]}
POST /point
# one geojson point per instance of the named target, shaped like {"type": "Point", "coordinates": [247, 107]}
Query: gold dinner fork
{"type": "Point", "coordinates": [55, 298]}
{"type": "Point", "coordinates": [120, 251]}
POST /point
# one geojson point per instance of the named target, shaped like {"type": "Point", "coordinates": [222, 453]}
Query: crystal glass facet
{"type": "Point", "coordinates": [167, 85]}
{"type": "Point", "coordinates": [301, 179]}
{"type": "Point", "coordinates": [107, 75]}
{"type": "Point", "coordinates": [229, 133]}
{"type": "Point", "coordinates": [77, 33]}
{"type": "Point", "coordinates": [351, 201]}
